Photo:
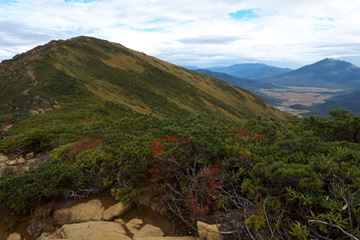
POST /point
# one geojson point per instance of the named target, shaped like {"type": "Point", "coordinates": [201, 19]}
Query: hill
{"type": "Point", "coordinates": [254, 71]}
{"type": "Point", "coordinates": [350, 102]}
{"type": "Point", "coordinates": [85, 72]}
{"type": "Point", "coordinates": [327, 73]}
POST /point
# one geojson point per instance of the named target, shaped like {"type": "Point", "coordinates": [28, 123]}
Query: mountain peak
{"type": "Point", "coordinates": [85, 71]}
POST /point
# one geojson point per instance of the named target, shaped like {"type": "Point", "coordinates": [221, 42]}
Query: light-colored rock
{"type": "Point", "coordinates": [11, 163]}
{"type": "Point", "coordinates": [148, 231]}
{"type": "Point", "coordinates": [82, 212]}
{"type": "Point", "coordinates": [14, 236]}
{"type": "Point", "coordinates": [3, 158]}
{"type": "Point", "coordinates": [120, 220]}
{"type": "Point", "coordinates": [167, 238]}
{"type": "Point", "coordinates": [98, 230]}
{"type": "Point", "coordinates": [208, 231]}
{"type": "Point", "coordinates": [30, 156]}
{"type": "Point", "coordinates": [134, 225]}
{"type": "Point", "coordinates": [20, 160]}
{"type": "Point", "coordinates": [33, 112]}
{"type": "Point", "coordinates": [116, 210]}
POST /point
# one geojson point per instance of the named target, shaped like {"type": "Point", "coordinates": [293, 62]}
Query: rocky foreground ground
{"type": "Point", "coordinates": [90, 220]}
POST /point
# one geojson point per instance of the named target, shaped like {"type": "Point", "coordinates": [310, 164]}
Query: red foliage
{"type": "Point", "coordinates": [199, 209]}
{"type": "Point", "coordinates": [242, 132]}
{"type": "Point", "coordinates": [86, 144]}
{"type": "Point", "coordinates": [157, 148]}
{"type": "Point", "coordinates": [175, 139]}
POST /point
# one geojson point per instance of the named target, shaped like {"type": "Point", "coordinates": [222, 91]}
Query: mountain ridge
{"type": "Point", "coordinates": [253, 71]}
{"type": "Point", "coordinates": [98, 72]}
{"type": "Point", "coordinates": [324, 73]}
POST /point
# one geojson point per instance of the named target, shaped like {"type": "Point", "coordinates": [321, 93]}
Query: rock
{"type": "Point", "coordinates": [167, 238]}
{"type": "Point", "coordinates": [44, 236]}
{"type": "Point", "coordinates": [29, 156]}
{"type": "Point", "coordinates": [14, 236]}
{"type": "Point", "coordinates": [115, 211]}
{"type": "Point", "coordinates": [3, 158]}
{"type": "Point", "coordinates": [148, 231]}
{"type": "Point", "coordinates": [11, 163]}
{"type": "Point", "coordinates": [120, 220]}
{"type": "Point", "coordinates": [134, 225]}
{"type": "Point", "coordinates": [20, 160]}
{"type": "Point", "coordinates": [82, 212]}
{"type": "Point", "coordinates": [208, 232]}
{"type": "Point", "coordinates": [33, 112]}
{"type": "Point", "coordinates": [99, 230]}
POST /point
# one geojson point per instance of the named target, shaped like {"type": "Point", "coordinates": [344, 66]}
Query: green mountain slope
{"type": "Point", "coordinates": [83, 72]}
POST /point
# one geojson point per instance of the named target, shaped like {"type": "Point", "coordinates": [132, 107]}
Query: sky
{"type": "Point", "coordinates": [203, 33]}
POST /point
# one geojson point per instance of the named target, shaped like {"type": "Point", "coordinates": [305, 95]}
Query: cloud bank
{"type": "Point", "coordinates": [186, 32]}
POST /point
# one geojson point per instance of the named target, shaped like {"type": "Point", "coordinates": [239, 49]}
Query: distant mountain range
{"type": "Point", "coordinates": [248, 84]}
{"type": "Point", "coordinates": [254, 71]}
{"type": "Point", "coordinates": [329, 73]}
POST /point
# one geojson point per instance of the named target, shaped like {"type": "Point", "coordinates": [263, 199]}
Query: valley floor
{"type": "Point", "coordinates": [293, 96]}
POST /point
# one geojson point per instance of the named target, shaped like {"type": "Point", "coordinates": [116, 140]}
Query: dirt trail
{"type": "Point", "coordinates": [30, 73]}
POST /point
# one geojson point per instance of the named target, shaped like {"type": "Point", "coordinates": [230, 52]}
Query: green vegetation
{"type": "Point", "coordinates": [283, 178]}
{"type": "Point", "coordinates": [117, 121]}
{"type": "Point", "coordinates": [83, 73]}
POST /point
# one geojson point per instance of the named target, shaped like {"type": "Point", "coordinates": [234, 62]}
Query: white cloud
{"type": "Point", "coordinates": [189, 32]}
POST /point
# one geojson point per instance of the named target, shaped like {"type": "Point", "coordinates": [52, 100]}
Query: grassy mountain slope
{"type": "Point", "coordinates": [83, 72]}
{"type": "Point", "coordinates": [255, 71]}
{"type": "Point", "coordinates": [329, 73]}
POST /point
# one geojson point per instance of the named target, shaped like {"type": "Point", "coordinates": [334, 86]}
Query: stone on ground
{"type": "Point", "coordinates": [115, 211]}
{"type": "Point", "coordinates": [208, 231]}
{"type": "Point", "coordinates": [82, 212]}
{"type": "Point", "coordinates": [148, 231]}
{"type": "Point", "coordinates": [14, 236]}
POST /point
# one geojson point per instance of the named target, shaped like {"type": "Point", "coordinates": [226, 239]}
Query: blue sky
{"type": "Point", "coordinates": [203, 33]}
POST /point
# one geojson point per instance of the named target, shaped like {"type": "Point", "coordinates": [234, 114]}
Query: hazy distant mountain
{"type": "Point", "coordinates": [325, 73]}
{"type": "Point", "coordinates": [240, 82]}
{"type": "Point", "coordinates": [350, 102]}
{"type": "Point", "coordinates": [255, 71]}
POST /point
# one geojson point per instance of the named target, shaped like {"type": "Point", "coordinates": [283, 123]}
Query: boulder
{"type": "Point", "coordinates": [14, 236]}
{"type": "Point", "coordinates": [98, 230]}
{"type": "Point", "coordinates": [134, 225]}
{"type": "Point", "coordinates": [120, 220]}
{"type": "Point", "coordinates": [33, 112]}
{"type": "Point", "coordinates": [208, 231]}
{"type": "Point", "coordinates": [82, 212]}
{"type": "Point", "coordinates": [148, 231]}
{"type": "Point", "coordinates": [167, 238]}
{"type": "Point", "coordinates": [30, 155]}
{"type": "Point", "coordinates": [115, 211]}
{"type": "Point", "coordinates": [3, 158]}
{"type": "Point", "coordinates": [11, 163]}
{"type": "Point", "coordinates": [20, 160]}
